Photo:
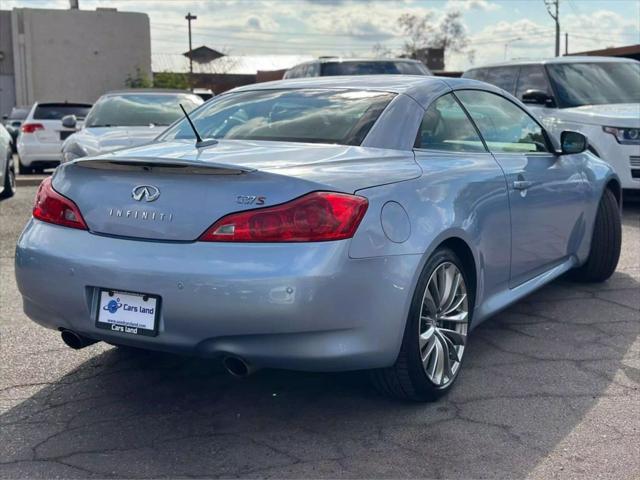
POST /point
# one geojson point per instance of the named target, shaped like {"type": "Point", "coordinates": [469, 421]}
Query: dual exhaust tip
{"type": "Point", "coordinates": [235, 366]}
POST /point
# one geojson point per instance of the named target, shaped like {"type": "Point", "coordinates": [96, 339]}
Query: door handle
{"type": "Point", "coordinates": [522, 184]}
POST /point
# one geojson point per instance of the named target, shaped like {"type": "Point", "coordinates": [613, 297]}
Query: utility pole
{"type": "Point", "coordinates": [566, 43]}
{"type": "Point", "coordinates": [190, 17]}
{"type": "Point", "coordinates": [553, 7]}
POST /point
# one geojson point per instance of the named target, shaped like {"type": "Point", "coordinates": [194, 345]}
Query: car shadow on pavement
{"type": "Point", "coordinates": [532, 376]}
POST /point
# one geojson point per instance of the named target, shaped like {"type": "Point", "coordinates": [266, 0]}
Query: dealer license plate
{"type": "Point", "coordinates": [128, 312]}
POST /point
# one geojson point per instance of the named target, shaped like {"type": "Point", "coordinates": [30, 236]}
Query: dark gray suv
{"type": "Point", "coordinates": [331, 66]}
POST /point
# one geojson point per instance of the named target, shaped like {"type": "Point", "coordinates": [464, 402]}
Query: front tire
{"type": "Point", "coordinates": [605, 242]}
{"type": "Point", "coordinates": [435, 334]}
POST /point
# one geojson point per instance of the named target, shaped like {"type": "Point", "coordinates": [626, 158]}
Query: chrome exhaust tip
{"type": "Point", "coordinates": [237, 367]}
{"type": "Point", "coordinates": [76, 341]}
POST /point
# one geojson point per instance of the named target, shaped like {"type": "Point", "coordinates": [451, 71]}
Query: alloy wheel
{"type": "Point", "coordinates": [444, 319]}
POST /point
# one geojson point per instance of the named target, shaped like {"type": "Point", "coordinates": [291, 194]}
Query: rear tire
{"type": "Point", "coordinates": [23, 169]}
{"type": "Point", "coordinates": [9, 180]}
{"type": "Point", "coordinates": [416, 374]}
{"type": "Point", "coordinates": [605, 242]}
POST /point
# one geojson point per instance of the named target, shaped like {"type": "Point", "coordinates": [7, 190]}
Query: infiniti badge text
{"type": "Point", "coordinates": [141, 215]}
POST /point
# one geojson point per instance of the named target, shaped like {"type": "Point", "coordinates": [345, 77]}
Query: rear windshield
{"type": "Point", "coordinates": [140, 109]}
{"type": "Point", "coordinates": [55, 111]}
{"type": "Point", "coordinates": [18, 113]}
{"type": "Point", "coordinates": [373, 68]}
{"type": "Point", "coordinates": [316, 116]}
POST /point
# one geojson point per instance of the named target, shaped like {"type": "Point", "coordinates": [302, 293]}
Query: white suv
{"type": "Point", "coordinates": [7, 172]}
{"type": "Point", "coordinates": [42, 134]}
{"type": "Point", "coordinates": [597, 96]}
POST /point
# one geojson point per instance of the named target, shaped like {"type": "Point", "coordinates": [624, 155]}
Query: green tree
{"type": "Point", "coordinates": [448, 32]}
{"type": "Point", "coordinates": [171, 80]}
{"type": "Point", "coordinates": [139, 80]}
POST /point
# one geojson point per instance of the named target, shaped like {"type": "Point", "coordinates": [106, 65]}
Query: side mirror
{"type": "Point", "coordinates": [573, 142]}
{"type": "Point", "coordinates": [538, 97]}
{"type": "Point", "coordinates": [69, 121]}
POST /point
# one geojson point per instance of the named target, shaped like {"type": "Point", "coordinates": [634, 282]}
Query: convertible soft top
{"type": "Point", "coordinates": [420, 88]}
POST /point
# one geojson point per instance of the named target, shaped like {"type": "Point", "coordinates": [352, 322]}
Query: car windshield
{"type": "Point", "coordinates": [55, 111]}
{"type": "Point", "coordinates": [595, 83]}
{"type": "Point", "coordinates": [316, 116]}
{"type": "Point", "coordinates": [140, 109]}
{"type": "Point", "coordinates": [373, 68]}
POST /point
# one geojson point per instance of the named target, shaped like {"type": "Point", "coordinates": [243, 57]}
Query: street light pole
{"type": "Point", "coordinates": [509, 42]}
{"type": "Point", "coordinates": [190, 17]}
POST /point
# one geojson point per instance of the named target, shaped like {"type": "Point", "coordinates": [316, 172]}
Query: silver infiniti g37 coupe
{"type": "Point", "coordinates": [321, 224]}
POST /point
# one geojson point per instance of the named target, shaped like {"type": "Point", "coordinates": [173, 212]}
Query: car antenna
{"type": "Point", "coordinates": [199, 141]}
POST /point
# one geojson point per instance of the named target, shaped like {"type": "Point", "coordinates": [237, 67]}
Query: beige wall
{"type": "Point", "coordinates": [77, 55]}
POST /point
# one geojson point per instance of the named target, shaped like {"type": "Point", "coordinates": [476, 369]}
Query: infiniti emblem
{"type": "Point", "coordinates": [148, 193]}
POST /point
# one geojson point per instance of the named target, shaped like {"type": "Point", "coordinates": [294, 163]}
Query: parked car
{"type": "Point", "coordinates": [7, 169]}
{"type": "Point", "coordinates": [125, 118]}
{"type": "Point", "coordinates": [597, 96]}
{"type": "Point", "coordinates": [361, 223]}
{"type": "Point", "coordinates": [204, 93]}
{"type": "Point", "coordinates": [42, 134]}
{"type": "Point", "coordinates": [331, 66]}
{"type": "Point", "coordinates": [13, 121]}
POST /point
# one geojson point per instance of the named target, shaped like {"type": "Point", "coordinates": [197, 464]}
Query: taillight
{"type": "Point", "coordinates": [31, 127]}
{"type": "Point", "coordinates": [315, 217]}
{"type": "Point", "coordinates": [53, 208]}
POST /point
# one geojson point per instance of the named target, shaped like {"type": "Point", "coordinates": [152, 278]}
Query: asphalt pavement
{"type": "Point", "coordinates": [549, 390]}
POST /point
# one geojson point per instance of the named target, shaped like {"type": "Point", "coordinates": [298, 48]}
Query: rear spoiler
{"type": "Point", "coordinates": [165, 165]}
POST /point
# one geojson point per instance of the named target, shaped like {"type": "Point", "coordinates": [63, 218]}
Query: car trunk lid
{"type": "Point", "coordinates": [116, 193]}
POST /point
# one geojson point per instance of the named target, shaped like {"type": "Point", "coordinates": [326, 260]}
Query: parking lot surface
{"type": "Point", "coordinates": [549, 389]}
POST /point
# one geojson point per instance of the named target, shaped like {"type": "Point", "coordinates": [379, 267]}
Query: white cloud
{"type": "Point", "coordinates": [483, 5]}
{"type": "Point", "coordinates": [600, 29]}
{"type": "Point", "coordinates": [525, 39]}
{"type": "Point", "coordinates": [350, 27]}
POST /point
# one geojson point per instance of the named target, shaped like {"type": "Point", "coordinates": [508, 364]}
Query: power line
{"type": "Point", "coordinates": [364, 37]}
{"type": "Point", "coordinates": [277, 32]}
{"type": "Point", "coordinates": [243, 42]}
{"type": "Point", "coordinates": [241, 36]}
{"type": "Point", "coordinates": [271, 45]}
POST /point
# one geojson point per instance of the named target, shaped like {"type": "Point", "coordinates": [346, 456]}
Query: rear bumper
{"type": "Point", "coordinates": [39, 154]}
{"type": "Point", "coordinates": [297, 306]}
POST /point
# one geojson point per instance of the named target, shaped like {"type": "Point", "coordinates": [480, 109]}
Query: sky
{"type": "Point", "coordinates": [497, 29]}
